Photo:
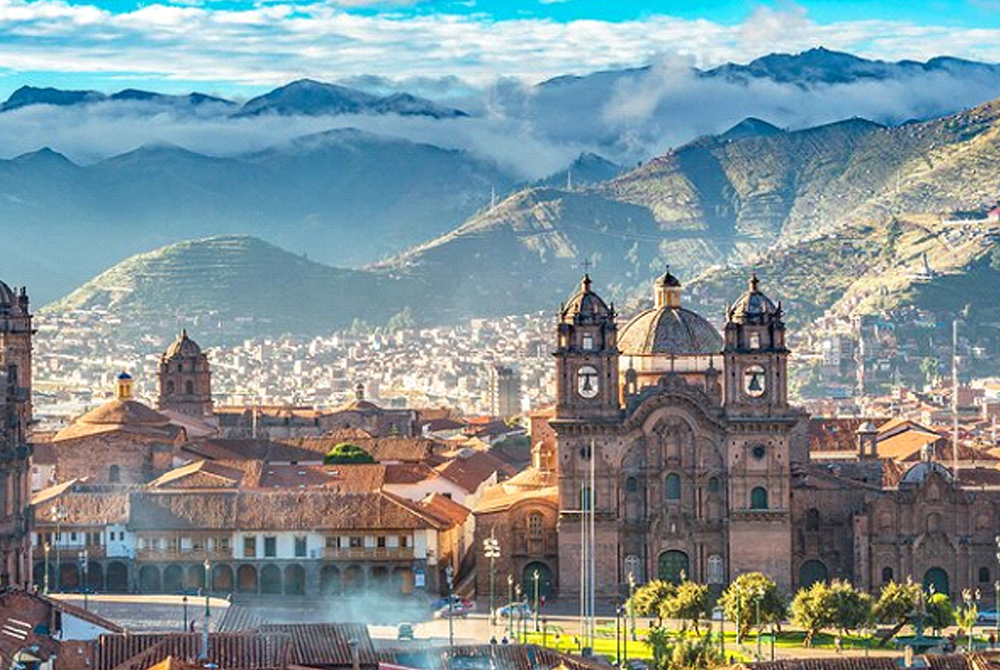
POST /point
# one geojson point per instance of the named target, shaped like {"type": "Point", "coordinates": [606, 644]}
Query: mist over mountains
{"type": "Point", "coordinates": [352, 177]}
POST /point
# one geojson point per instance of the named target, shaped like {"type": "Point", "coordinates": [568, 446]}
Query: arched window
{"type": "Point", "coordinates": [631, 485]}
{"type": "Point", "coordinates": [812, 519]}
{"type": "Point", "coordinates": [672, 487]}
{"type": "Point", "coordinates": [984, 575]}
{"type": "Point", "coordinates": [189, 387]}
{"type": "Point", "coordinates": [716, 573]}
{"type": "Point", "coordinates": [758, 498]}
{"type": "Point", "coordinates": [114, 474]}
{"type": "Point", "coordinates": [713, 485]}
{"type": "Point", "coordinates": [535, 522]}
{"type": "Point", "coordinates": [170, 387]}
{"type": "Point", "coordinates": [886, 575]}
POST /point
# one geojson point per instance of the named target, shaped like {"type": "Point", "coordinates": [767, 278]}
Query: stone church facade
{"type": "Point", "coordinates": [683, 443]}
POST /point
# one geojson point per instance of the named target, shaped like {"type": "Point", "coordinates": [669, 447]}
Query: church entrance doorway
{"type": "Point", "coordinates": [544, 580]}
{"type": "Point", "coordinates": [938, 579]}
{"type": "Point", "coordinates": [811, 572]}
{"type": "Point", "coordinates": [674, 566]}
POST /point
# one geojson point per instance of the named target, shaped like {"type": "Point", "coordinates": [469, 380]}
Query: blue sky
{"type": "Point", "coordinates": [243, 48]}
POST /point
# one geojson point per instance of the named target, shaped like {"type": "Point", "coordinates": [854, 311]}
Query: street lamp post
{"type": "Point", "coordinates": [184, 600]}
{"type": "Point", "coordinates": [618, 637]}
{"type": "Point", "coordinates": [625, 611]}
{"type": "Point", "coordinates": [57, 514]}
{"type": "Point", "coordinates": [535, 575]}
{"type": "Point", "coordinates": [45, 584]}
{"type": "Point", "coordinates": [970, 599]}
{"type": "Point", "coordinates": [449, 574]}
{"type": "Point", "coordinates": [82, 557]}
{"type": "Point", "coordinates": [631, 606]}
{"type": "Point", "coordinates": [520, 611]}
{"type": "Point", "coordinates": [760, 595]}
{"type": "Point", "coordinates": [491, 549]}
{"type": "Point", "coordinates": [510, 607]}
{"type": "Point", "coordinates": [208, 611]}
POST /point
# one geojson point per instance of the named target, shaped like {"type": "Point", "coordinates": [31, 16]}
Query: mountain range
{"type": "Point", "coordinates": [304, 96]}
{"type": "Point", "coordinates": [471, 230]}
{"type": "Point", "coordinates": [839, 218]}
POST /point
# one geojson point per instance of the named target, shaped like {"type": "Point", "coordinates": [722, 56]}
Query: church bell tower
{"type": "Point", "coordinates": [586, 357]}
{"type": "Point", "coordinates": [760, 426]}
{"type": "Point", "coordinates": [185, 379]}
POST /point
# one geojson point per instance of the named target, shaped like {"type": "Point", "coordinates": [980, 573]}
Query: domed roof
{"type": "Point", "coordinates": [183, 346]}
{"type": "Point", "coordinates": [124, 413]}
{"type": "Point", "coordinates": [667, 330]}
{"type": "Point", "coordinates": [585, 306]}
{"type": "Point", "coordinates": [753, 307]}
{"type": "Point", "coordinates": [921, 471]}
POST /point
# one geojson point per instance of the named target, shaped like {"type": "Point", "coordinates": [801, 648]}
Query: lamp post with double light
{"type": "Point", "coordinates": [449, 574]}
{"type": "Point", "coordinates": [208, 610]}
{"type": "Point", "coordinates": [535, 575]}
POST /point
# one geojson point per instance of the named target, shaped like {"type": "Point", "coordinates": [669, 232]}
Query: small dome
{"type": "Point", "coordinates": [668, 281]}
{"type": "Point", "coordinates": [673, 331]}
{"type": "Point", "coordinates": [919, 472]}
{"type": "Point", "coordinates": [183, 347]}
{"type": "Point", "coordinates": [753, 307]}
{"type": "Point", "coordinates": [586, 306]}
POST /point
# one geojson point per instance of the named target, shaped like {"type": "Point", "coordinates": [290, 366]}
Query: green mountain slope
{"type": "Point", "coordinates": [238, 284]}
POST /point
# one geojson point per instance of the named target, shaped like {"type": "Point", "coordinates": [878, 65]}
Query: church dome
{"type": "Point", "coordinates": [753, 307]}
{"type": "Point", "coordinates": [668, 328]}
{"type": "Point", "coordinates": [127, 412]}
{"type": "Point", "coordinates": [586, 306]}
{"type": "Point", "coordinates": [183, 347]}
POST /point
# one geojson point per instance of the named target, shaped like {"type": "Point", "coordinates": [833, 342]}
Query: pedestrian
{"type": "Point", "coordinates": [493, 639]}
{"type": "Point", "coordinates": [503, 640]}
{"type": "Point", "coordinates": [993, 640]}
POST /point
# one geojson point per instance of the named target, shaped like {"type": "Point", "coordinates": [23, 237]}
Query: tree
{"type": "Point", "coordinates": [940, 613]}
{"type": "Point", "coordinates": [648, 599]}
{"type": "Point", "coordinates": [347, 453]}
{"type": "Point", "coordinates": [689, 602]}
{"type": "Point", "coordinates": [930, 368]}
{"type": "Point", "coordinates": [851, 608]}
{"type": "Point", "coordinates": [699, 654]}
{"type": "Point", "coordinates": [659, 641]}
{"type": "Point", "coordinates": [747, 593]}
{"type": "Point", "coordinates": [812, 610]}
{"type": "Point", "coordinates": [896, 605]}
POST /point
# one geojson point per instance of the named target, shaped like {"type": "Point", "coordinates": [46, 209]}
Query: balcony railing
{"type": "Point", "coordinates": [67, 552]}
{"type": "Point", "coordinates": [150, 554]}
{"type": "Point", "coordinates": [368, 553]}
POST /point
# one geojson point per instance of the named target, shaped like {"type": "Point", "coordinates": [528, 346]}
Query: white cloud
{"type": "Point", "coordinates": [273, 43]}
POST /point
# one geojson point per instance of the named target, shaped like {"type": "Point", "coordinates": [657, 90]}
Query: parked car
{"type": "Point", "coordinates": [459, 609]}
{"type": "Point", "coordinates": [518, 610]}
{"type": "Point", "coordinates": [404, 631]}
{"type": "Point", "coordinates": [457, 599]}
{"type": "Point", "coordinates": [987, 617]}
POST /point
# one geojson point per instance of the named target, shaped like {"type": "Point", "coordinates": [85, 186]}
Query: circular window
{"type": "Point", "coordinates": [758, 451]}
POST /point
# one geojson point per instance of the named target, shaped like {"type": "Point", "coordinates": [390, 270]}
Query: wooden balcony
{"type": "Point", "coordinates": [368, 553]}
{"type": "Point", "coordinates": [70, 552]}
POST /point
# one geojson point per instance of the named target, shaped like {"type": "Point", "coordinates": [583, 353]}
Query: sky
{"type": "Point", "coordinates": [240, 48]}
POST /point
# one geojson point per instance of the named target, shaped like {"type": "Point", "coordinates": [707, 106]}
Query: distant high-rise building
{"type": "Point", "coordinates": [505, 391]}
{"type": "Point", "coordinates": [15, 418]}
{"type": "Point", "coordinates": [185, 378]}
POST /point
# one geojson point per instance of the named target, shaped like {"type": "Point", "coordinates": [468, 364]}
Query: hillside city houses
{"type": "Point", "coordinates": [678, 441]}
